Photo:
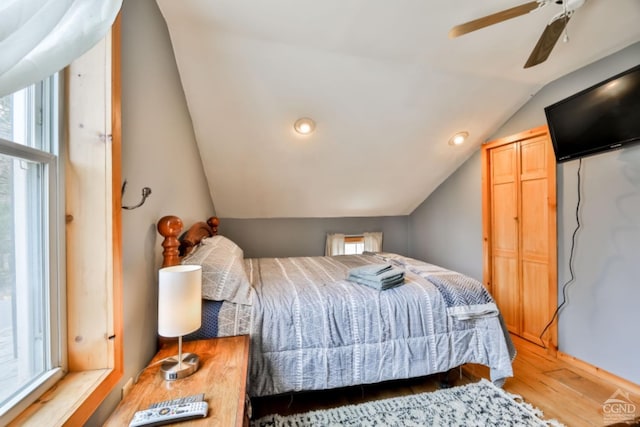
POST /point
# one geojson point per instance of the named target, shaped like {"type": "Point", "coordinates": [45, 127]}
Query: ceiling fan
{"type": "Point", "coordinates": [549, 36]}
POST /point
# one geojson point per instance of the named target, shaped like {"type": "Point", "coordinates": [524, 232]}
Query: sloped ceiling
{"type": "Point", "coordinates": [384, 83]}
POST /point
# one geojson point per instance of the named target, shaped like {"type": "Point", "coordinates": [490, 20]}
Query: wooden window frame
{"type": "Point", "coordinates": [354, 239]}
{"type": "Point", "coordinates": [76, 396]}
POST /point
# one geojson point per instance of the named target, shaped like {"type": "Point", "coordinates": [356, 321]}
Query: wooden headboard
{"type": "Point", "coordinates": [176, 246]}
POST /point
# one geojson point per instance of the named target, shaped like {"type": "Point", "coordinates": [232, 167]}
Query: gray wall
{"type": "Point", "coordinates": [599, 322]}
{"type": "Point", "coordinates": [282, 237]}
{"type": "Point", "coordinates": [158, 151]}
{"type": "Point", "coordinates": [446, 229]}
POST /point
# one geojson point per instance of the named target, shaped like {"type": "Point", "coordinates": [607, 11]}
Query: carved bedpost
{"type": "Point", "coordinates": [170, 227]}
{"type": "Point", "coordinates": [213, 222]}
{"type": "Point", "coordinates": [175, 249]}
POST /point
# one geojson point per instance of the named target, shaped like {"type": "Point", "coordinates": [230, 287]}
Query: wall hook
{"type": "Point", "coordinates": [146, 192]}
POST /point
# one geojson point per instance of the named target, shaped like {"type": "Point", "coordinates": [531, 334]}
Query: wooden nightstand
{"type": "Point", "coordinates": [222, 378]}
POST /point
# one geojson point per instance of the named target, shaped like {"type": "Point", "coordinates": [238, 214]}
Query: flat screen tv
{"type": "Point", "coordinates": [600, 118]}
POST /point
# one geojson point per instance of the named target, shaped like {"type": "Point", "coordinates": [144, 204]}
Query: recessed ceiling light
{"type": "Point", "coordinates": [458, 138]}
{"type": "Point", "coordinates": [304, 126]}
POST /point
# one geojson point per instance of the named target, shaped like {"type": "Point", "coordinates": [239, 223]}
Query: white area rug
{"type": "Point", "coordinates": [479, 404]}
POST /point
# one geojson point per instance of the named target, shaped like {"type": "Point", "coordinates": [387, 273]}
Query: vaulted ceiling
{"type": "Point", "coordinates": [385, 85]}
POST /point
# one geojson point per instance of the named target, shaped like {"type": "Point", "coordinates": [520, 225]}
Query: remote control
{"type": "Point", "coordinates": [169, 414]}
{"type": "Point", "coordinates": [178, 401]}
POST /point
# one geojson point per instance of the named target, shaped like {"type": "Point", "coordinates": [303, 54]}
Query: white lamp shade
{"type": "Point", "coordinates": [179, 300]}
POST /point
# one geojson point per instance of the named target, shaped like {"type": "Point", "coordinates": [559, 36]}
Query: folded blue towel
{"type": "Point", "coordinates": [379, 285]}
{"type": "Point", "coordinates": [370, 270]}
{"type": "Point", "coordinates": [378, 276]}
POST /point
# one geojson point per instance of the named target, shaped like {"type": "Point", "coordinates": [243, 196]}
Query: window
{"type": "Point", "coordinates": [30, 228]}
{"type": "Point", "coordinates": [353, 245]}
{"type": "Point", "coordinates": [81, 324]}
{"type": "Point", "coordinates": [340, 244]}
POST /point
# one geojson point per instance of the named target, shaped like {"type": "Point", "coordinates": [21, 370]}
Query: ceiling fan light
{"type": "Point", "coordinates": [459, 138]}
{"type": "Point", "coordinates": [304, 126]}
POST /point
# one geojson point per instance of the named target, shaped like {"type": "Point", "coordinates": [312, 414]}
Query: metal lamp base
{"type": "Point", "coordinates": [171, 369]}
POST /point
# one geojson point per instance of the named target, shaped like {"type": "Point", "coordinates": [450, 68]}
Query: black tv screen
{"type": "Point", "coordinates": [603, 117]}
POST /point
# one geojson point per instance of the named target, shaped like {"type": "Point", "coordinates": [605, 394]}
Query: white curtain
{"type": "Point", "coordinates": [373, 241]}
{"type": "Point", "coordinates": [335, 244]}
{"type": "Point", "coordinates": [40, 37]}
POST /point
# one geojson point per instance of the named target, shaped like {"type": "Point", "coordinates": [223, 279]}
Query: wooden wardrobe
{"type": "Point", "coordinates": [519, 232]}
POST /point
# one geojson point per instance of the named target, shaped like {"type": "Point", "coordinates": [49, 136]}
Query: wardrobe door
{"type": "Point", "coordinates": [504, 233]}
{"type": "Point", "coordinates": [536, 164]}
{"type": "Point", "coordinates": [519, 230]}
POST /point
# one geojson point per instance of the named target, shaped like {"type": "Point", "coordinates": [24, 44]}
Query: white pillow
{"type": "Point", "coordinates": [223, 275]}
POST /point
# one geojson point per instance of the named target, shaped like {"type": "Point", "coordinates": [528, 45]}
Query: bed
{"type": "Point", "coordinates": [312, 329]}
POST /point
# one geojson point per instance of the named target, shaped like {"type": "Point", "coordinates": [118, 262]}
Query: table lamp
{"type": "Point", "coordinates": [179, 313]}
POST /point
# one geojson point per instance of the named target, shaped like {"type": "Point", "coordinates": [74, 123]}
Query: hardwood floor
{"type": "Point", "coordinates": [561, 390]}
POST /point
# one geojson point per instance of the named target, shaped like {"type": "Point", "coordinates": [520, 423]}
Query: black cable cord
{"type": "Point", "coordinates": [571, 253]}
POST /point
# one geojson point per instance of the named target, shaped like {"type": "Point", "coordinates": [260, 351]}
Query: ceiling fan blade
{"type": "Point", "coordinates": [547, 41]}
{"type": "Point", "coordinates": [495, 18]}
